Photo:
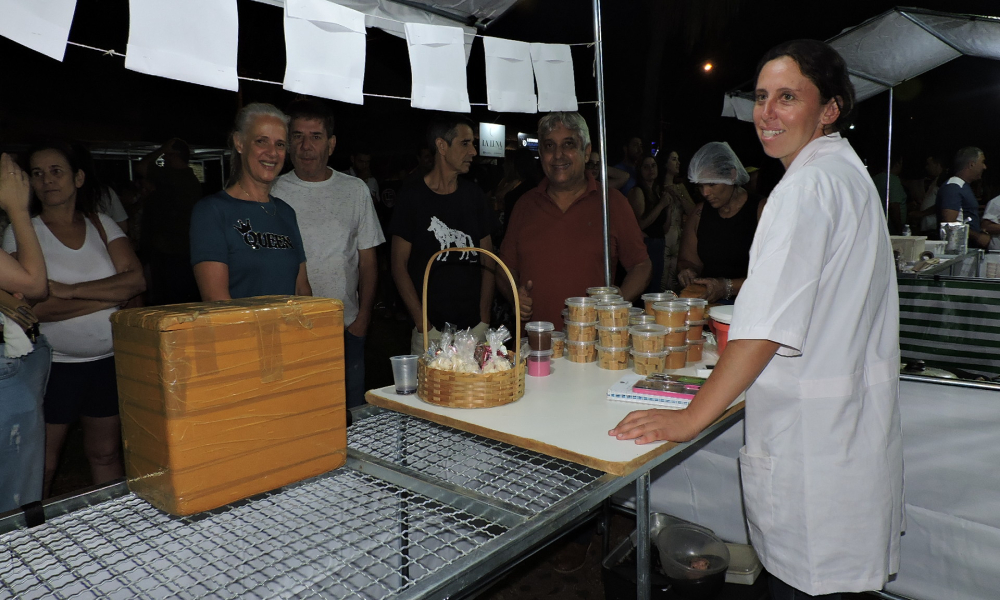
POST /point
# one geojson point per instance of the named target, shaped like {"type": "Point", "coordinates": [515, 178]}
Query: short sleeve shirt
{"type": "Point", "coordinates": [956, 194]}
{"type": "Point", "coordinates": [562, 253]}
{"type": "Point", "coordinates": [260, 243]}
{"type": "Point", "coordinates": [993, 214]}
{"type": "Point", "coordinates": [432, 222]}
{"type": "Point", "coordinates": [337, 219]}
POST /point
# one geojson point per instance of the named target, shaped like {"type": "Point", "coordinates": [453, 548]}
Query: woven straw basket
{"type": "Point", "coordinates": [472, 390]}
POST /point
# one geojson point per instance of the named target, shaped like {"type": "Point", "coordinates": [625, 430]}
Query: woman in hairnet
{"type": "Point", "coordinates": [715, 245]}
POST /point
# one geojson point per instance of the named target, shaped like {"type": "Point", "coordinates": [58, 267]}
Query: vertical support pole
{"type": "Point", "coordinates": [643, 585]}
{"type": "Point", "coordinates": [888, 158]}
{"type": "Point", "coordinates": [602, 137]}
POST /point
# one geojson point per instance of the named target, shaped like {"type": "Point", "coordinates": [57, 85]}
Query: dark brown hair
{"type": "Point", "coordinates": [825, 68]}
{"type": "Point", "coordinates": [87, 195]}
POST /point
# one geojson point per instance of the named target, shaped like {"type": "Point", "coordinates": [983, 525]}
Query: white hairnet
{"type": "Point", "coordinates": [715, 162]}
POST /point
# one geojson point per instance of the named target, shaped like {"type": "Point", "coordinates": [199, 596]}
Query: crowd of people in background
{"type": "Point", "coordinates": [286, 222]}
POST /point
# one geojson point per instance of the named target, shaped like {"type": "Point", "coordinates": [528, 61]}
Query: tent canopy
{"type": "Point", "coordinates": [389, 15]}
{"type": "Point", "coordinates": [895, 46]}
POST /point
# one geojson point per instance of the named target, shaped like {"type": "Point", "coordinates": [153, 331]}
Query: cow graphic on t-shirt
{"type": "Point", "coordinates": [446, 236]}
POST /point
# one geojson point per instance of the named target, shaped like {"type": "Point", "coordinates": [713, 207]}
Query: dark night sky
{"type": "Point", "coordinates": [93, 97]}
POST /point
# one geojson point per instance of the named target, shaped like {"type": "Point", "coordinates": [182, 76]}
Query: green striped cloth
{"type": "Point", "coordinates": [951, 323]}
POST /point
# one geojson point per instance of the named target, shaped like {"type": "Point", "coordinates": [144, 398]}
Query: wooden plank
{"type": "Point", "coordinates": [566, 415]}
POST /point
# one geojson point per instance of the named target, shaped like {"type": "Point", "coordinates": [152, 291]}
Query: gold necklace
{"type": "Point", "coordinates": [263, 205]}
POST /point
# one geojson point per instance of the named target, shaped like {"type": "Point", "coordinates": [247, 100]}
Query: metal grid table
{"type": "Point", "coordinates": [342, 535]}
{"type": "Point", "coordinates": [420, 511]}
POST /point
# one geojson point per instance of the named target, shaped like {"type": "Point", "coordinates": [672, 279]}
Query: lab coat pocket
{"type": "Point", "coordinates": [756, 473]}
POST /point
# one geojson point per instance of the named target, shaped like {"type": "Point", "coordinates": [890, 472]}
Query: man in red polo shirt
{"type": "Point", "coordinates": [554, 245]}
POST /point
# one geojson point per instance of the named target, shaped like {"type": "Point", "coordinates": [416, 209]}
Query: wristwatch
{"type": "Point", "coordinates": [729, 288]}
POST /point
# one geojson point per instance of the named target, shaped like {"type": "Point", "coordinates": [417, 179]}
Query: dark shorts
{"type": "Point", "coordinates": [87, 389]}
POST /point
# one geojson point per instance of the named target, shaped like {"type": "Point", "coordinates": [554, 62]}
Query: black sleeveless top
{"type": "Point", "coordinates": [724, 244]}
{"type": "Point", "coordinates": [654, 229]}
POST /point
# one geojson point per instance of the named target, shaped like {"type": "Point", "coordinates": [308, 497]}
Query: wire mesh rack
{"type": "Point", "coordinates": [342, 535]}
{"type": "Point", "coordinates": [520, 477]}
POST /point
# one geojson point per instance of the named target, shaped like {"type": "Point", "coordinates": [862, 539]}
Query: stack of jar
{"type": "Point", "coordinates": [581, 329]}
{"type": "Point", "coordinates": [612, 332]}
{"type": "Point", "coordinates": [684, 320]}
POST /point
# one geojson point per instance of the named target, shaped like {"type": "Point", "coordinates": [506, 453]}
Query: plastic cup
{"type": "Point", "coordinates": [581, 332]}
{"type": "Point", "coordinates": [696, 308]}
{"type": "Point", "coordinates": [607, 298]}
{"type": "Point", "coordinates": [558, 344]}
{"type": "Point", "coordinates": [614, 313]}
{"type": "Point", "coordinates": [671, 314]}
{"type": "Point", "coordinates": [404, 373]}
{"type": "Point", "coordinates": [582, 309]}
{"type": "Point", "coordinates": [539, 335]}
{"type": "Point", "coordinates": [695, 350]}
{"type": "Point", "coordinates": [675, 336]}
{"type": "Point", "coordinates": [647, 363]}
{"type": "Point", "coordinates": [613, 337]}
{"type": "Point", "coordinates": [695, 329]}
{"type": "Point", "coordinates": [642, 319]}
{"type": "Point", "coordinates": [539, 364]}
{"type": "Point", "coordinates": [603, 290]}
{"type": "Point", "coordinates": [581, 352]}
{"type": "Point", "coordinates": [613, 359]}
{"type": "Point", "coordinates": [648, 338]}
{"type": "Point", "coordinates": [721, 317]}
{"type": "Point", "coordinates": [677, 357]}
{"type": "Point", "coordinates": [650, 299]}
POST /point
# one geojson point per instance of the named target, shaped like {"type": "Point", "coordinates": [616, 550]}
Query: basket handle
{"type": "Point", "coordinates": [513, 286]}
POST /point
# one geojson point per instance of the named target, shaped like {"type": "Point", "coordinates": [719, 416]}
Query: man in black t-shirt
{"type": "Point", "coordinates": [442, 211]}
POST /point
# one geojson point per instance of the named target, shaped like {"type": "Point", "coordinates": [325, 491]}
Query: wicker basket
{"type": "Point", "coordinates": [472, 390]}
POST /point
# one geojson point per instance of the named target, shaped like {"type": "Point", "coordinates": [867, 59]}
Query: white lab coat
{"type": "Point", "coordinates": [822, 467]}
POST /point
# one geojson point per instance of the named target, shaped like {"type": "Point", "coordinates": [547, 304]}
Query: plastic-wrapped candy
{"type": "Point", "coordinates": [445, 359]}
{"type": "Point", "coordinates": [465, 350]}
{"type": "Point", "coordinates": [497, 358]}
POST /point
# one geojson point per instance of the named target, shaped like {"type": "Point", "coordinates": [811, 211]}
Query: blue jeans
{"type": "Point", "coordinates": [354, 369]}
{"type": "Point", "coordinates": [22, 425]}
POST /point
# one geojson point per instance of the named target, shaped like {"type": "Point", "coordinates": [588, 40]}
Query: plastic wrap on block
{"type": "Point", "coordinates": [223, 400]}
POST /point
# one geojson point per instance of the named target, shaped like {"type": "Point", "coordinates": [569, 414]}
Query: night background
{"type": "Point", "coordinates": [92, 97]}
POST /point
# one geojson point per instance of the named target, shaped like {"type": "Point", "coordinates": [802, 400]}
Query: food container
{"type": "Point", "coordinates": [695, 329]}
{"type": "Point", "coordinates": [613, 359]}
{"type": "Point", "coordinates": [539, 363]}
{"type": "Point", "coordinates": [677, 357]}
{"type": "Point", "coordinates": [695, 350]}
{"type": "Point", "coordinates": [614, 313]}
{"type": "Point", "coordinates": [581, 332]}
{"type": "Point", "coordinates": [635, 311]}
{"type": "Point", "coordinates": [581, 309]}
{"type": "Point", "coordinates": [539, 335]}
{"type": "Point", "coordinates": [613, 337]}
{"type": "Point", "coordinates": [581, 352]}
{"type": "Point", "coordinates": [648, 338]}
{"type": "Point", "coordinates": [607, 298]}
{"type": "Point", "coordinates": [693, 559]}
{"type": "Point", "coordinates": [696, 308]}
{"type": "Point", "coordinates": [224, 400]}
{"type": "Point", "coordinates": [650, 299]}
{"type": "Point", "coordinates": [647, 363]}
{"type": "Point", "coordinates": [720, 319]}
{"type": "Point", "coordinates": [675, 336]}
{"type": "Point", "coordinates": [671, 314]}
{"type": "Point", "coordinates": [558, 344]}
{"type": "Point", "coordinates": [642, 319]}
{"type": "Point", "coordinates": [603, 290]}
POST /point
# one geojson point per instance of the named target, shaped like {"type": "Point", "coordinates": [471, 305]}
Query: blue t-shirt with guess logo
{"type": "Point", "coordinates": [260, 243]}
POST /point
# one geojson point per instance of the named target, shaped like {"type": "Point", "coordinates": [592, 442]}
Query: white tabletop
{"type": "Point", "coordinates": [566, 415]}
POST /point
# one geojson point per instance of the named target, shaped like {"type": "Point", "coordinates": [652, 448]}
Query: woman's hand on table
{"type": "Point", "coordinates": [655, 425]}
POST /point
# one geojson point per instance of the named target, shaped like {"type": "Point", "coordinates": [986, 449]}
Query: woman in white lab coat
{"type": "Point", "coordinates": [815, 344]}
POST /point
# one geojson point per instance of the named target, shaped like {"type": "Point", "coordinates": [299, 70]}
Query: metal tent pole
{"type": "Point", "coordinates": [888, 164]}
{"type": "Point", "coordinates": [602, 137]}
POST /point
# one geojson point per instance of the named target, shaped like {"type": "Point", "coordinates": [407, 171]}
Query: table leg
{"type": "Point", "coordinates": [643, 585]}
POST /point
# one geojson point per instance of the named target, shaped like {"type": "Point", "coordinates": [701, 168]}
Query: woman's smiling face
{"type": "Point", "coordinates": [789, 112]}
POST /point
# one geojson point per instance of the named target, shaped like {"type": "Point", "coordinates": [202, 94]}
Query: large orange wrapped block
{"type": "Point", "coordinates": [223, 400]}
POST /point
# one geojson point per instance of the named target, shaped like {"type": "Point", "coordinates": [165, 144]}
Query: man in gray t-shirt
{"type": "Point", "coordinates": [339, 230]}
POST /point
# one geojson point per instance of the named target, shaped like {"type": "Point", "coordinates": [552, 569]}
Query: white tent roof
{"type": "Point", "coordinates": [898, 45]}
{"type": "Point", "coordinates": [389, 15]}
